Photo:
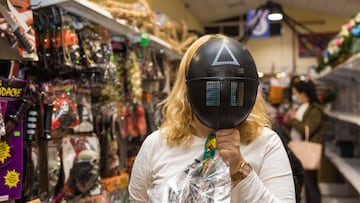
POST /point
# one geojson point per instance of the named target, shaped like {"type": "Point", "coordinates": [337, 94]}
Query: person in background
{"type": "Point", "coordinates": [296, 166]}
{"type": "Point", "coordinates": [308, 113]}
{"type": "Point", "coordinates": [258, 164]}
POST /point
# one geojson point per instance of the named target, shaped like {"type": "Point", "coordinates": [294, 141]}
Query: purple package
{"type": "Point", "coordinates": [12, 92]}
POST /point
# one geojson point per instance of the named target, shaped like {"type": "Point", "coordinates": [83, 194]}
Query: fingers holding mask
{"type": "Point", "coordinates": [228, 145]}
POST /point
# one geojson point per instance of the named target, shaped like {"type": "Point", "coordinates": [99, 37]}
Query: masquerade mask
{"type": "Point", "coordinates": [222, 83]}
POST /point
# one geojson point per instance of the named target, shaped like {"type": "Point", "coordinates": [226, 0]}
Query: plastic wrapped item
{"type": "Point", "coordinates": [60, 97]}
{"type": "Point", "coordinates": [2, 124]}
{"type": "Point", "coordinates": [54, 167]}
{"type": "Point", "coordinates": [83, 104]}
{"type": "Point", "coordinates": [82, 178]}
{"type": "Point", "coordinates": [206, 181]}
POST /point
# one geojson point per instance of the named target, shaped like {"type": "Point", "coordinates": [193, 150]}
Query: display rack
{"type": "Point", "coordinates": [345, 80]}
{"type": "Point", "coordinates": [348, 167]}
{"type": "Point", "coordinates": [346, 117]}
{"type": "Point", "coordinates": [98, 15]}
{"type": "Point", "coordinates": [345, 112]}
{"type": "Point", "coordinates": [345, 72]}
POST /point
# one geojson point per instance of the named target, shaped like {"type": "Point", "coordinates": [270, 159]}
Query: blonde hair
{"type": "Point", "coordinates": [178, 115]}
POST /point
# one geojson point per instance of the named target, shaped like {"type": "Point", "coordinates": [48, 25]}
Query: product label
{"type": "Point", "coordinates": [12, 92]}
{"type": "Point", "coordinates": [34, 201]}
{"type": "Point", "coordinates": [4, 153]}
{"type": "Point", "coordinates": [12, 179]}
{"type": "Point", "coordinates": [12, 88]}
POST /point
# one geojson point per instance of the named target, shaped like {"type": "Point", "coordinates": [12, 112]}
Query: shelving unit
{"type": "Point", "coordinates": [345, 79]}
{"type": "Point", "coordinates": [345, 112]}
{"type": "Point", "coordinates": [92, 12]}
{"type": "Point", "coordinates": [347, 117]}
{"type": "Point", "coordinates": [348, 167]}
{"type": "Point", "coordinates": [347, 71]}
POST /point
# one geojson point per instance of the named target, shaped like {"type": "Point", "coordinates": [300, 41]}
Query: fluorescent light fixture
{"type": "Point", "coordinates": [275, 16]}
{"type": "Point", "coordinates": [275, 11]}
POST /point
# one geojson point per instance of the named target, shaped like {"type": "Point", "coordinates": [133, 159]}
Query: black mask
{"type": "Point", "coordinates": [222, 83]}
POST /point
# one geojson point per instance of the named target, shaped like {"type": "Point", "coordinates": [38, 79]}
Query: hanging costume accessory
{"type": "Point", "coordinates": [222, 83]}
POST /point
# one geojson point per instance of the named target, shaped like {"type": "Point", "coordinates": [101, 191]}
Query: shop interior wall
{"type": "Point", "coordinates": [274, 54]}
{"type": "Point", "coordinates": [280, 53]}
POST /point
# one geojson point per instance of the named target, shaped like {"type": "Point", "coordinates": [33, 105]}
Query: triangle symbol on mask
{"type": "Point", "coordinates": [224, 57]}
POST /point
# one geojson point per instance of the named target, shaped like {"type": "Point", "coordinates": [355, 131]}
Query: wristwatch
{"type": "Point", "coordinates": [244, 170]}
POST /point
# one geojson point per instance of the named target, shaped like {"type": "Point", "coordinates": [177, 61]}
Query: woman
{"type": "Point", "coordinates": [308, 113]}
{"type": "Point", "coordinates": [259, 167]}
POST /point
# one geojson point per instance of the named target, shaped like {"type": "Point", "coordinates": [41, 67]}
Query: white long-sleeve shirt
{"type": "Point", "coordinates": [270, 181]}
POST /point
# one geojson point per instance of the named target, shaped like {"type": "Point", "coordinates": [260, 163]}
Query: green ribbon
{"type": "Point", "coordinates": [208, 165]}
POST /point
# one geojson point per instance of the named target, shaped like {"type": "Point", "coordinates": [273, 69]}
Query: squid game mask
{"type": "Point", "coordinates": [222, 83]}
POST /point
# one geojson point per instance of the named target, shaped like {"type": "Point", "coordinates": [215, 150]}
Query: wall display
{"type": "Point", "coordinates": [90, 104]}
{"type": "Point", "coordinates": [313, 45]}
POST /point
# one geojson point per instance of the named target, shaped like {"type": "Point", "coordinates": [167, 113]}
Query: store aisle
{"type": "Point", "coordinates": [335, 193]}
{"type": "Point", "coordinates": [327, 199]}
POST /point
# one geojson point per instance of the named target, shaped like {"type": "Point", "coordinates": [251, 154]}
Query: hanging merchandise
{"type": "Point", "coordinates": [80, 161]}
{"type": "Point", "coordinates": [109, 66]}
{"type": "Point", "coordinates": [91, 44]}
{"type": "Point", "coordinates": [13, 108]}
{"type": "Point", "coordinates": [133, 78]}
{"type": "Point", "coordinates": [110, 128]}
{"type": "Point", "coordinates": [110, 162]}
{"type": "Point", "coordinates": [112, 165]}
{"type": "Point", "coordinates": [54, 168]}
{"type": "Point", "coordinates": [69, 42]}
{"type": "Point", "coordinates": [120, 46]}
{"type": "Point", "coordinates": [46, 22]}
{"type": "Point", "coordinates": [83, 103]}
{"type": "Point", "coordinates": [30, 179]}
{"type": "Point", "coordinates": [61, 96]}
{"type": "Point", "coordinates": [19, 40]}
{"type": "Point", "coordinates": [76, 132]}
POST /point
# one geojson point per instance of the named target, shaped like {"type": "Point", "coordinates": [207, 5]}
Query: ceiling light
{"type": "Point", "coordinates": [275, 16]}
{"type": "Point", "coordinates": [275, 11]}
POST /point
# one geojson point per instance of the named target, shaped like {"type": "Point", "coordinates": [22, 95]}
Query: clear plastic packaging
{"type": "Point", "coordinates": [195, 184]}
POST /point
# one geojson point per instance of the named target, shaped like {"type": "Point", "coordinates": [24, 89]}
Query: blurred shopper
{"type": "Point", "coordinates": [309, 113]}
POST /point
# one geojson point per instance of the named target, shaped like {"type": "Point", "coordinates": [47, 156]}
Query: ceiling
{"type": "Point", "coordinates": [208, 11]}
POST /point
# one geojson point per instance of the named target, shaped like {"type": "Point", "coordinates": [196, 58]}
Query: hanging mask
{"type": "Point", "coordinates": [222, 83]}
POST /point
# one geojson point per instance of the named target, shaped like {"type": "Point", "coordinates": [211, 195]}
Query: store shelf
{"type": "Point", "coordinates": [349, 71]}
{"type": "Point", "coordinates": [348, 167]}
{"type": "Point", "coordinates": [98, 15]}
{"type": "Point", "coordinates": [347, 117]}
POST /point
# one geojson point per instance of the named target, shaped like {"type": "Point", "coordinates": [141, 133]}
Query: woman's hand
{"type": "Point", "coordinates": [228, 146]}
{"type": "Point", "coordinates": [290, 114]}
